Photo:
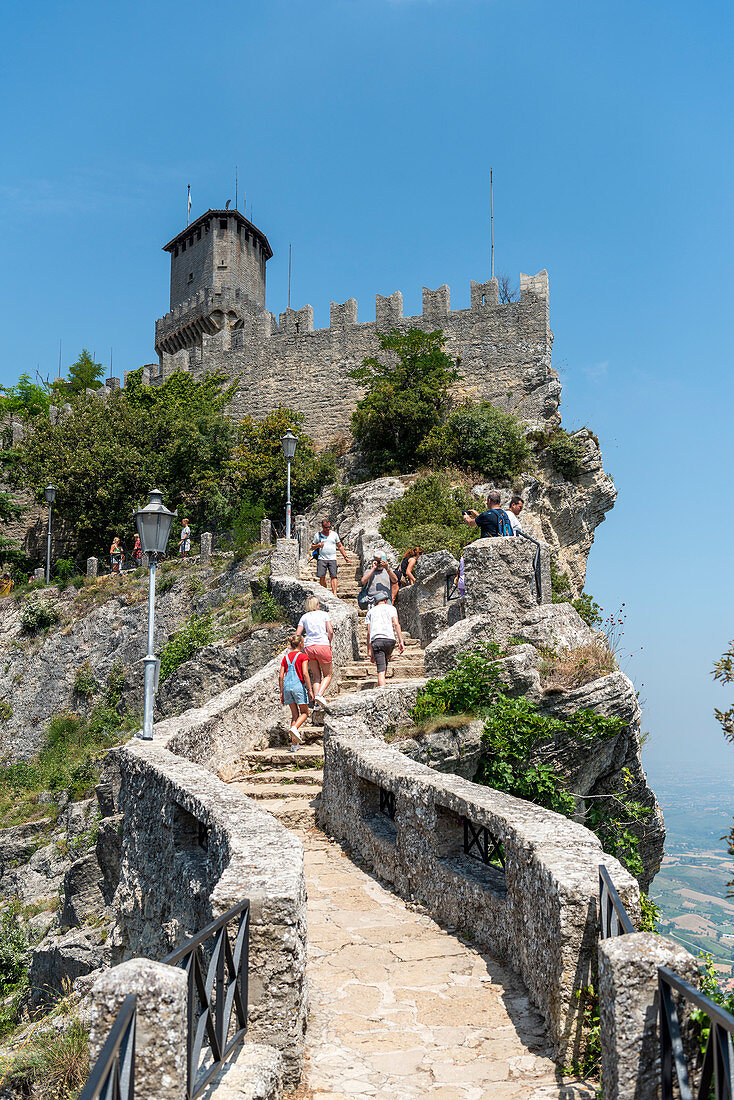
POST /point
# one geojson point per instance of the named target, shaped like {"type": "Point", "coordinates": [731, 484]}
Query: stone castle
{"type": "Point", "coordinates": [218, 321]}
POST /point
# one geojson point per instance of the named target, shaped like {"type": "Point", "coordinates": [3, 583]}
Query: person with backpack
{"type": "Point", "coordinates": [492, 523]}
{"type": "Point", "coordinates": [295, 686]}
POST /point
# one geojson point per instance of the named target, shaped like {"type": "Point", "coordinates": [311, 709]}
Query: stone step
{"type": "Point", "coordinates": [313, 755]}
{"type": "Point", "coordinates": [286, 774]}
{"type": "Point", "coordinates": [370, 682]}
{"type": "Point", "coordinates": [275, 790]}
{"type": "Point", "coordinates": [294, 813]}
{"type": "Point", "coordinates": [399, 665]}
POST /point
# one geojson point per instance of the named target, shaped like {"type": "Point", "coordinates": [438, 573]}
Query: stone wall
{"type": "Point", "coordinates": [503, 352]}
{"type": "Point", "coordinates": [191, 849]}
{"type": "Point", "coordinates": [539, 912]}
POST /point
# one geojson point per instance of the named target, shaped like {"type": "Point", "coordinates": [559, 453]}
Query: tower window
{"type": "Point", "coordinates": [191, 276]}
{"type": "Point", "coordinates": [222, 223]}
{"type": "Point", "coordinates": [183, 246]}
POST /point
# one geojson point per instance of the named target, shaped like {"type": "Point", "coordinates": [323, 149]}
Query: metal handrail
{"type": "Point", "coordinates": [113, 1074]}
{"type": "Point", "coordinates": [219, 988]}
{"type": "Point", "coordinates": [717, 1067]}
{"type": "Point", "coordinates": [537, 571]}
{"type": "Point", "coordinates": [614, 918]}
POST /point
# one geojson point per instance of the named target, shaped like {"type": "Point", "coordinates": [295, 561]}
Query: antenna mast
{"type": "Point", "coordinates": [235, 186]}
{"type": "Point", "coordinates": [491, 218]}
{"type": "Point", "coordinates": [289, 274]}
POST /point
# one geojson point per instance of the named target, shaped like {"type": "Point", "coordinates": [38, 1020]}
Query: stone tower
{"type": "Point", "coordinates": [217, 279]}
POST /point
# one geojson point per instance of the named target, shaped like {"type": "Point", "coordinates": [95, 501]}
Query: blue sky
{"type": "Point", "coordinates": [363, 131]}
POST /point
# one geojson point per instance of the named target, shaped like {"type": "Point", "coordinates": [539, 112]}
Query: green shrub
{"type": "Point", "coordinates": [246, 527]}
{"type": "Point", "coordinates": [115, 685]}
{"type": "Point", "coordinates": [55, 1064]}
{"type": "Point", "coordinates": [165, 585]}
{"type": "Point", "coordinates": [266, 610]}
{"type": "Point", "coordinates": [480, 438]}
{"type": "Point", "coordinates": [37, 615]}
{"type": "Point", "coordinates": [84, 682]}
{"type": "Point", "coordinates": [566, 454]}
{"type": "Point", "coordinates": [78, 581]}
{"type": "Point", "coordinates": [64, 570]}
{"type": "Point", "coordinates": [429, 515]}
{"type": "Point", "coordinates": [585, 604]}
{"type": "Point", "coordinates": [471, 688]}
{"type": "Point", "coordinates": [70, 760]}
{"type": "Point", "coordinates": [13, 950]}
{"type": "Point", "coordinates": [6, 711]}
{"type": "Point", "coordinates": [588, 609]}
{"type": "Point", "coordinates": [185, 643]}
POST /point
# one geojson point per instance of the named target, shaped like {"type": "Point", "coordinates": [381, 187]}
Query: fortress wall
{"type": "Point", "coordinates": [503, 352]}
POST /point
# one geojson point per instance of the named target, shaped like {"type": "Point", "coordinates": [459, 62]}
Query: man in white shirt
{"type": "Point", "coordinates": [513, 513]}
{"type": "Point", "coordinates": [327, 542]}
{"type": "Point", "coordinates": [382, 627]}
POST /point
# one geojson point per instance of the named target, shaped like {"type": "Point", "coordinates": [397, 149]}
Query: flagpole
{"type": "Point", "coordinates": [491, 218]}
{"type": "Point", "coordinates": [235, 186]}
{"type": "Point", "coordinates": [188, 206]}
{"type": "Point", "coordinates": [289, 275]}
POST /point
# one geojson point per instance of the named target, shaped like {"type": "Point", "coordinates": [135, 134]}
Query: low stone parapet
{"type": "Point", "coordinates": [421, 831]}
{"type": "Point", "coordinates": [192, 848]}
{"type": "Point", "coordinates": [629, 1010]}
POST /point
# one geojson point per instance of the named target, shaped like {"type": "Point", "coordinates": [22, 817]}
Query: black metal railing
{"type": "Point", "coordinates": [387, 803]}
{"type": "Point", "coordinates": [217, 990]}
{"type": "Point", "coordinates": [614, 918]}
{"type": "Point", "coordinates": [481, 844]}
{"type": "Point", "coordinates": [452, 588]}
{"type": "Point", "coordinates": [537, 568]}
{"type": "Point", "coordinates": [716, 1080]}
{"type": "Point", "coordinates": [113, 1074]}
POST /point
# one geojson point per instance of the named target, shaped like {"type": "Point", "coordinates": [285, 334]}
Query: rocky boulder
{"type": "Point", "coordinates": [424, 609]}
{"type": "Point", "coordinates": [60, 959]}
{"type": "Point", "coordinates": [219, 666]}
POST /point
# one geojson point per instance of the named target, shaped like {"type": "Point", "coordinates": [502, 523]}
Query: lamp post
{"type": "Point", "coordinates": [289, 442]}
{"type": "Point", "coordinates": [50, 494]}
{"type": "Point", "coordinates": [154, 526]}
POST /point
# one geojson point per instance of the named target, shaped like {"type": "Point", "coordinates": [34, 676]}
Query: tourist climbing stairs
{"type": "Point", "coordinates": [289, 784]}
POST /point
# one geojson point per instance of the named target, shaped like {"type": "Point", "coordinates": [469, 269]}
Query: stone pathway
{"type": "Point", "coordinates": [401, 1009]}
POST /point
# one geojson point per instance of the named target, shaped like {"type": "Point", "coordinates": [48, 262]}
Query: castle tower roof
{"type": "Point", "coordinates": [203, 218]}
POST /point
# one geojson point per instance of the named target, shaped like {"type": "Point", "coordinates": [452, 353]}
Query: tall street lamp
{"type": "Point", "coordinates": [154, 526]}
{"type": "Point", "coordinates": [50, 494]}
{"type": "Point", "coordinates": [289, 442]}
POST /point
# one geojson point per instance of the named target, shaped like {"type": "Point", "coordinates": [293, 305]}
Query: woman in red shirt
{"type": "Point", "coordinates": [295, 687]}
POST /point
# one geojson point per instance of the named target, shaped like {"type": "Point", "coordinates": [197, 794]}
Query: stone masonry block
{"type": "Point", "coordinates": [160, 1041]}
{"type": "Point", "coordinates": [628, 1006]}
{"type": "Point", "coordinates": [436, 303]}
{"type": "Point", "coordinates": [484, 294]}
{"type": "Point", "coordinates": [344, 314]}
{"type": "Point", "coordinates": [92, 567]}
{"type": "Point", "coordinates": [388, 311]}
{"type": "Point", "coordinates": [205, 550]}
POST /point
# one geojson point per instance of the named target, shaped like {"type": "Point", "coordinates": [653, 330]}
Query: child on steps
{"type": "Point", "coordinates": [295, 687]}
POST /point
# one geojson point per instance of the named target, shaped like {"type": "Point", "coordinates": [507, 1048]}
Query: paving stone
{"type": "Point", "coordinates": [402, 1009]}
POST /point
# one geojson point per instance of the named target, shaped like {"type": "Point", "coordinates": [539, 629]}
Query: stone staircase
{"type": "Point", "coordinates": [288, 784]}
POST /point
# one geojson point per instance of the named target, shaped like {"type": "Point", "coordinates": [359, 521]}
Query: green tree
{"type": "Point", "coordinates": [406, 396]}
{"type": "Point", "coordinates": [481, 438]}
{"type": "Point", "coordinates": [25, 399]}
{"type": "Point", "coordinates": [175, 437]}
{"type": "Point", "coordinates": [259, 468]}
{"type": "Point", "coordinates": [85, 374]}
{"type": "Point", "coordinates": [428, 515]}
